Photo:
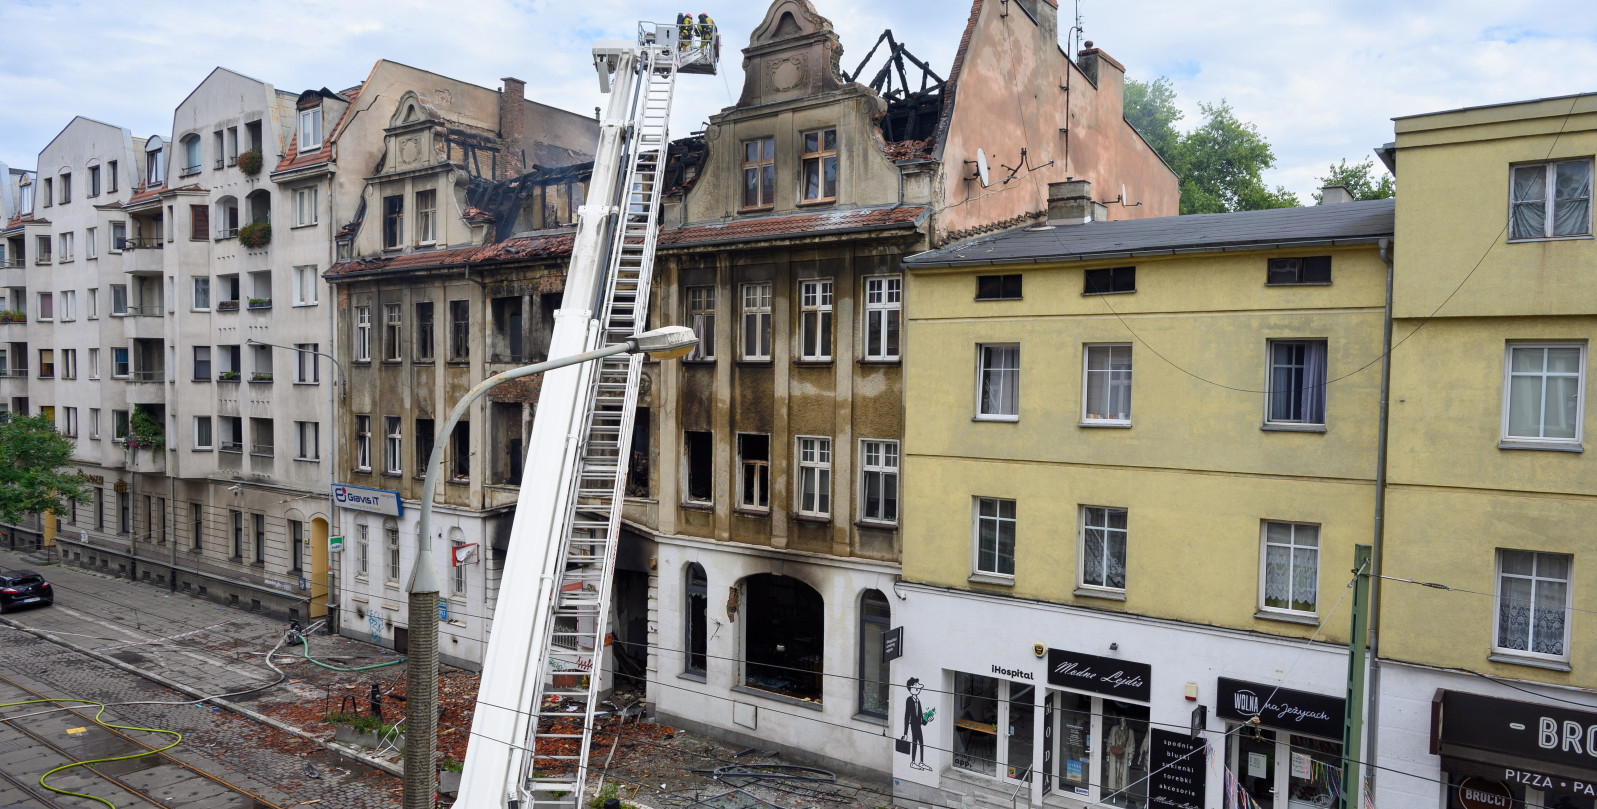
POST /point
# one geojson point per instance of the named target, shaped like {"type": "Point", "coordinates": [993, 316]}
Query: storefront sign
{"type": "Point", "coordinates": [377, 501]}
{"type": "Point", "coordinates": [1048, 745]}
{"type": "Point", "coordinates": [1479, 793]}
{"type": "Point", "coordinates": [1177, 767]}
{"type": "Point", "coordinates": [1280, 708]}
{"type": "Point", "coordinates": [1122, 679]}
{"type": "Point", "coordinates": [893, 644]}
{"type": "Point", "coordinates": [1545, 746]}
{"type": "Point", "coordinates": [335, 544]}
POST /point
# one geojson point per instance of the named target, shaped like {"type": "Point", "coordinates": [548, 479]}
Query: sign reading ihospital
{"type": "Point", "coordinates": [377, 501]}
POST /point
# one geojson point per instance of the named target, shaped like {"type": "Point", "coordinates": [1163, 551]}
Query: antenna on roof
{"type": "Point", "coordinates": [1076, 31]}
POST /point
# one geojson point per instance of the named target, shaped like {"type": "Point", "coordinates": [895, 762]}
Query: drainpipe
{"type": "Point", "coordinates": [1378, 539]}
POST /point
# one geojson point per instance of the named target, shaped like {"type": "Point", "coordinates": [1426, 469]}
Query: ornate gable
{"type": "Point", "coordinates": [792, 53]}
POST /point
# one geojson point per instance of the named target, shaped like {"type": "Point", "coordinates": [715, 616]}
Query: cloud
{"type": "Point", "coordinates": [1321, 80]}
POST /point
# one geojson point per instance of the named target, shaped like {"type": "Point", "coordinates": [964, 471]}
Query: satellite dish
{"type": "Point", "coordinates": [1122, 193]}
{"type": "Point", "coordinates": [981, 167]}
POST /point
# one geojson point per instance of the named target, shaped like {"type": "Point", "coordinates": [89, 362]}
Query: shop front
{"type": "Point", "coordinates": [1508, 754]}
{"type": "Point", "coordinates": [1291, 757]}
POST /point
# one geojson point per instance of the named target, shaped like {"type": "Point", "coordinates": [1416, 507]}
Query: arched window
{"type": "Point", "coordinates": [694, 622]}
{"type": "Point", "coordinates": [391, 550]}
{"type": "Point", "coordinates": [260, 205]}
{"type": "Point", "coordinates": [784, 636]}
{"type": "Point", "coordinates": [875, 617]}
{"type": "Point", "coordinates": [226, 217]}
{"type": "Point", "coordinates": [191, 155]}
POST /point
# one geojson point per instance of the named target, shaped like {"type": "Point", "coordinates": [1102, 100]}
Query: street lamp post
{"type": "Point", "coordinates": [421, 666]}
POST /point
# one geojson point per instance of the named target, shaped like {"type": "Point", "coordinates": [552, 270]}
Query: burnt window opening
{"type": "Point", "coordinates": [912, 113]}
{"type": "Point", "coordinates": [696, 624]}
{"type": "Point", "coordinates": [638, 465]}
{"type": "Point", "coordinates": [510, 448]}
{"type": "Point", "coordinates": [459, 331]}
{"type": "Point", "coordinates": [754, 462]}
{"type": "Point", "coordinates": [425, 436]}
{"type": "Point", "coordinates": [998, 287]}
{"type": "Point", "coordinates": [1304, 270]}
{"type": "Point", "coordinates": [509, 334]}
{"type": "Point", "coordinates": [784, 636]}
{"type": "Point", "coordinates": [1110, 281]}
{"type": "Point", "coordinates": [460, 452]}
{"type": "Point", "coordinates": [699, 451]}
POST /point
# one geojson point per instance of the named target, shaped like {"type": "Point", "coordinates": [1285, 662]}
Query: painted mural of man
{"type": "Point", "coordinates": [915, 718]}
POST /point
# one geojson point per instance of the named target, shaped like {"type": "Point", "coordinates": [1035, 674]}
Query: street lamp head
{"type": "Point", "coordinates": [665, 343]}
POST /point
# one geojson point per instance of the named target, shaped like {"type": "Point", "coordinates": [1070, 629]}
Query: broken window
{"type": "Point", "coordinates": [424, 445]}
{"type": "Point", "coordinates": [460, 452]}
{"type": "Point", "coordinates": [509, 336]}
{"type": "Point", "coordinates": [754, 462]}
{"type": "Point", "coordinates": [393, 221]}
{"type": "Point", "coordinates": [459, 330]}
{"type": "Point", "coordinates": [507, 443]}
{"type": "Point", "coordinates": [424, 331]}
{"type": "Point", "coordinates": [699, 451]}
{"type": "Point", "coordinates": [701, 313]}
{"type": "Point", "coordinates": [759, 173]}
{"type": "Point", "coordinates": [696, 624]}
{"type": "Point", "coordinates": [784, 636]}
{"type": "Point", "coordinates": [638, 466]}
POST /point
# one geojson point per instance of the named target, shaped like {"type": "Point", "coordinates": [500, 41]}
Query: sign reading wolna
{"type": "Point", "coordinates": [377, 501]}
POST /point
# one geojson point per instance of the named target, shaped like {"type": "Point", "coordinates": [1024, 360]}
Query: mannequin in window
{"type": "Point", "coordinates": [1120, 750]}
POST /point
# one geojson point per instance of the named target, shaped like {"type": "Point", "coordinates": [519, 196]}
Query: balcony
{"type": "Point", "coordinates": [260, 377]}
{"type": "Point", "coordinates": [157, 375]}
{"type": "Point", "coordinates": [149, 459]}
{"type": "Point", "coordinates": [260, 303]}
{"type": "Point", "coordinates": [227, 306]}
{"type": "Point", "coordinates": [230, 446]}
{"type": "Point", "coordinates": [142, 243]}
{"type": "Point", "coordinates": [13, 264]}
{"type": "Point", "coordinates": [144, 262]}
{"type": "Point", "coordinates": [228, 376]}
{"type": "Point", "coordinates": [265, 450]}
{"type": "Point", "coordinates": [13, 316]}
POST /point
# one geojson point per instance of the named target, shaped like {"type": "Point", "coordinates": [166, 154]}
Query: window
{"type": "Point", "coordinates": [263, 437]}
{"type": "Point", "coordinates": [238, 534]}
{"type": "Point", "coordinates": [362, 550]}
{"type": "Point", "coordinates": [695, 625]}
{"type": "Point", "coordinates": [457, 581]}
{"type": "Point", "coordinates": [1304, 270]}
{"type": "Point", "coordinates": [191, 155]}
{"type": "Point", "coordinates": [756, 321]}
{"type": "Point", "coordinates": [119, 363]}
{"type": "Point", "coordinates": [305, 282]}
{"type": "Point", "coordinates": [426, 216]}
{"type": "Point", "coordinates": [296, 545]}
{"type": "Point", "coordinates": [459, 331]}
{"type": "Point", "coordinates": [45, 249]}
{"type": "Point", "coordinates": [305, 209]}
{"type": "Point", "coordinates": [91, 247]}
{"type": "Point", "coordinates": [995, 536]}
{"type": "Point", "coordinates": [392, 323]}
{"type": "Point", "coordinates": [701, 314]}
{"type": "Point", "coordinates": [1106, 397]}
{"type": "Point", "coordinates": [47, 306]}
{"type": "Point", "coordinates": [199, 525]}
{"type": "Point", "coordinates": [66, 187]}
{"type": "Point", "coordinates": [70, 418]}
{"type": "Point", "coordinates": [49, 191]}
{"type": "Point", "coordinates": [460, 452]}
{"type": "Point", "coordinates": [202, 363]}
{"type": "Point", "coordinates": [154, 165]}
{"type": "Point", "coordinates": [1297, 382]}
{"type": "Point", "coordinates": [363, 334]}
{"type": "Point", "coordinates": [94, 423]}
{"type": "Point", "coordinates": [874, 672]}
{"type": "Point", "coordinates": [94, 181]}
{"type": "Point", "coordinates": [307, 363]}
{"type": "Point", "coordinates": [309, 441]}
{"type": "Point", "coordinates": [879, 481]}
{"type": "Point", "coordinates": [815, 320]}
{"type": "Point", "coordinates": [202, 433]}
{"type": "Point", "coordinates": [232, 433]}
{"type": "Point", "coordinates": [754, 463]}
{"type": "Point", "coordinates": [999, 377]}
{"type": "Point", "coordinates": [1103, 548]}
{"type": "Point", "coordinates": [820, 166]}
{"type": "Point", "coordinates": [1533, 603]}
{"type": "Point", "coordinates": [1109, 281]}
{"type": "Point", "coordinates": [1543, 393]}
{"type": "Point", "coordinates": [199, 221]}
{"type": "Point", "coordinates": [310, 129]}
{"type": "Point", "coordinates": [424, 445]}
{"type": "Point", "coordinates": [424, 332]}
{"type": "Point", "coordinates": [260, 538]}
{"type": "Point", "coordinates": [815, 476]}
{"type": "Point", "coordinates": [391, 550]}
{"type": "Point", "coordinates": [698, 460]}
{"type": "Point", "coordinates": [998, 287]}
{"type": "Point", "coordinates": [391, 445]}
{"type": "Point", "coordinates": [67, 246]}
{"type": "Point", "coordinates": [1549, 200]}
{"type": "Point", "coordinates": [759, 173]}
{"type": "Point", "coordinates": [363, 443]}
{"type": "Point", "coordinates": [46, 363]}
{"type": "Point", "coordinates": [69, 363]}
{"type": "Point", "coordinates": [119, 236]}
{"type": "Point", "coordinates": [69, 304]}
{"type": "Point", "coordinates": [1291, 573]}
{"type": "Point", "coordinates": [784, 636]}
{"type": "Point", "coordinates": [119, 426]}
{"type": "Point", "coordinates": [202, 293]}
{"type": "Point", "coordinates": [393, 222]}
{"type": "Point", "coordinates": [94, 303]}
{"type": "Point", "coordinates": [94, 363]}
{"type": "Point", "coordinates": [110, 170]}
{"type": "Point", "coordinates": [119, 299]}
{"type": "Point", "coordinates": [883, 301]}
{"type": "Point", "coordinates": [976, 702]}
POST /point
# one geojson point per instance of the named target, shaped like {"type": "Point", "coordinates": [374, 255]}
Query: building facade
{"type": "Point", "coordinates": [1488, 688]}
{"type": "Point", "coordinates": [765, 519]}
{"type": "Point", "coordinates": [1139, 456]}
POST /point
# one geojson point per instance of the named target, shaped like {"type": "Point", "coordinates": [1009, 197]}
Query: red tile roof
{"type": "Point", "coordinates": [792, 225]}
{"type": "Point", "coordinates": [543, 245]}
{"type": "Point", "coordinates": [292, 159]}
{"type": "Point", "coordinates": [143, 194]}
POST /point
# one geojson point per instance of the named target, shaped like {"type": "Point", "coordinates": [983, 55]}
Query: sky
{"type": "Point", "coordinates": [1321, 79]}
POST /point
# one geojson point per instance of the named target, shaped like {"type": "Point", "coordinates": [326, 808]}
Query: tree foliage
{"type": "Point", "coordinates": [1221, 161]}
{"type": "Point", "coordinates": [34, 469]}
{"type": "Point", "coordinates": [1359, 180]}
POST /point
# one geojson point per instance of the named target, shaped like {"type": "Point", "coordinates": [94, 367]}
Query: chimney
{"type": "Point", "coordinates": [1047, 30]}
{"type": "Point", "coordinates": [1107, 75]}
{"type": "Point", "coordinates": [512, 107]}
{"type": "Point", "coordinates": [1070, 203]}
{"type": "Point", "coordinates": [1333, 194]}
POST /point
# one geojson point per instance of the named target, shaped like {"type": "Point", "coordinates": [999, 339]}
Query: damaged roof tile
{"type": "Point", "coordinates": [792, 225]}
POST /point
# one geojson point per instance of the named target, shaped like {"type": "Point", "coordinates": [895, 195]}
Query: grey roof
{"type": "Point", "coordinates": [1320, 225]}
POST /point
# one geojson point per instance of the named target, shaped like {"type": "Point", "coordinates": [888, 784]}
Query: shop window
{"type": "Point", "coordinates": [876, 617]}
{"type": "Point", "coordinates": [695, 624]}
{"type": "Point", "coordinates": [1274, 770]}
{"type": "Point", "coordinates": [976, 723]}
{"type": "Point", "coordinates": [785, 636]}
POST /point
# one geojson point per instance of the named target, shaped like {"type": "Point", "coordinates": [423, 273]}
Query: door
{"type": "Point", "coordinates": [1255, 765]}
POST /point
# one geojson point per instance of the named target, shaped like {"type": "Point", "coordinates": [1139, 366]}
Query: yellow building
{"type": "Point", "coordinates": [1490, 492]}
{"type": "Point", "coordinates": [1138, 455]}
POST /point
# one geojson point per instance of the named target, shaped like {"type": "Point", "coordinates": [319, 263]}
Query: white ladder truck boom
{"type": "Point", "coordinates": [546, 649]}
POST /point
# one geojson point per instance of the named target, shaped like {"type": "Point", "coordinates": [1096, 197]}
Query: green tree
{"type": "Point", "coordinates": [34, 476]}
{"type": "Point", "coordinates": [1221, 162]}
{"type": "Point", "coordinates": [1359, 180]}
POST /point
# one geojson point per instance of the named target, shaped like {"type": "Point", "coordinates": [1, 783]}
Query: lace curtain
{"type": "Point", "coordinates": [1000, 381]}
{"type": "Point", "coordinates": [1291, 567]}
{"type": "Point", "coordinates": [1531, 608]}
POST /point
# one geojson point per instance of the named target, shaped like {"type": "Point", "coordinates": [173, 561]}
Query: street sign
{"type": "Point", "coordinates": [443, 610]}
{"type": "Point", "coordinates": [1200, 718]}
{"type": "Point", "coordinates": [335, 544]}
{"type": "Point", "coordinates": [377, 501]}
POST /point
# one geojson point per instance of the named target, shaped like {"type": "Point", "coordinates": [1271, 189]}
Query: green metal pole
{"type": "Point", "coordinates": [1357, 655]}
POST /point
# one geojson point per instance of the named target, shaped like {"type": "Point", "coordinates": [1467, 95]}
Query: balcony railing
{"type": "Point", "coordinates": [228, 376]}
{"type": "Point", "coordinates": [227, 306]}
{"type": "Point", "coordinates": [148, 310]}
{"type": "Point", "coordinates": [227, 233]}
{"type": "Point", "coordinates": [154, 243]}
{"type": "Point", "coordinates": [260, 377]}
{"type": "Point", "coordinates": [219, 163]}
{"type": "Point", "coordinates": [13, 264]}
{"type": "Point", "coordinates": [231, 446]}
{"type": "Point", "coordinates": [17, 372]}
{"type": "Point", "coordinates": [260, 303]}
{"type": "Point", "coordinates": [189, 171]}
{"type": "Point", "coordinates": [261, 449]}
{"type": "Point", "coordinates": [158, 375]}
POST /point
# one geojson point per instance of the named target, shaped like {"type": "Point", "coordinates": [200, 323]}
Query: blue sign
{"type": "Point", "coordinates": [443, 610]}
{"type": "Point", "coordinates": [377, 501]}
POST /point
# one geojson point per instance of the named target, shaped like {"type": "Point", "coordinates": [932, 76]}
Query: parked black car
{"type": "Point", "coordinates": [24, 588]}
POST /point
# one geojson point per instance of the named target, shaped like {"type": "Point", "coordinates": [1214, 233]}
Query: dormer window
{"type": "Point", "coordinates": [310, 129]}
{"type": "Point", "coordinates": [759, 173]}
{"type": "Point", "coordinates": [154, 166]}
{"type": "Point", "coordinates": [820, 166]}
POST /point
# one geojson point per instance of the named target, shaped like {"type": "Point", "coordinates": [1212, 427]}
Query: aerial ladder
{"type": "Point", "coordinates": [540, 681]}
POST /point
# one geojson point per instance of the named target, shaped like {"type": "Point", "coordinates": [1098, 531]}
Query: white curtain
{"type": "Point", "coordinates": [1572, 199]}
{"type": "Point", "coordinates": [1529, 202]}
